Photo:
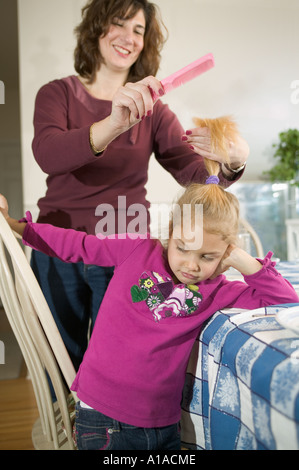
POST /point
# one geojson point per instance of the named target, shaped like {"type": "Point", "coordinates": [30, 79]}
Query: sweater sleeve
{"type": "Point", "coordinates": [182, 163]}
{"type": "Point", "coordinates": [58, 149]}
{"type": "Point", "coordinates": [73, 246]}
{"type": "Point", "coordinates": [266, 287]}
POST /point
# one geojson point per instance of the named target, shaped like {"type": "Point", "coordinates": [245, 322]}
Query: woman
{"type": "Point", "coordinates": [94, 134]}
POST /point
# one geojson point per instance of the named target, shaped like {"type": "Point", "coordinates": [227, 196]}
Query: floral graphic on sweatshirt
{"type": "Point", "coordinates": [163, 298]}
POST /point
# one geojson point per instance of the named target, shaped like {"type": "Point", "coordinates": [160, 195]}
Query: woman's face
{"type": "Point", "coordinates": [122, 45]}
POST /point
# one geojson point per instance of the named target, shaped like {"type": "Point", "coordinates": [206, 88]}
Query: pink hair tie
{"type": "Point", "coordinates": [213, 180]}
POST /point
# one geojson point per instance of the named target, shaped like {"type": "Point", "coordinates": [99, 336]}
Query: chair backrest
{"type": "Point", "coordinates": [293, 239]}
{"type": "Point", "coordinates": [38, 337]}
{"type": "Point", "coordinates": [245, 226]}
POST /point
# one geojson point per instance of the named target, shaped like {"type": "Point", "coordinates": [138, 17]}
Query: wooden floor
{"type": "Point", "coordinates": [18, 413]}
{"type": "Point", "coordinates": [18, 409]}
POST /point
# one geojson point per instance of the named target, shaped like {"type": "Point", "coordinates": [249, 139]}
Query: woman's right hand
{"type": "Point", "coordinates": [134, 102]}
{"type": "Point", "coordinates": [130, 104]}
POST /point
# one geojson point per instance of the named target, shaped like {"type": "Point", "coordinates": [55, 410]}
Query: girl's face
{"type": "Point", "coordinates": [191, 266]}
{"type": "Point", "coordinates": [123, 43]}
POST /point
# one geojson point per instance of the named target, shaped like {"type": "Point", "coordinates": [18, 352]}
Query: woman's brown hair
{"type": "Point", "coordinates": [97, 16]}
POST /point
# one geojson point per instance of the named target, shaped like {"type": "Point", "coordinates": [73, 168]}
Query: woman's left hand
{"type": "Point", "coordinates": [199, 140]}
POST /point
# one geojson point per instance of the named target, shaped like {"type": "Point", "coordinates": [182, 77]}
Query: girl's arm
{"type": "Point", "coordinates": [70, 245]}
{"type": "Point", "coordinates": [263, 284]}
{"type": "Point", "coordinates": [242, 261]}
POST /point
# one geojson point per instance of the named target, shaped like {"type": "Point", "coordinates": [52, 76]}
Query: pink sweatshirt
{"type": "Point", "coordinates": [134, 367]}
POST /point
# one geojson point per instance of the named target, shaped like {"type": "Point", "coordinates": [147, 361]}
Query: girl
{"type": "Point", "coordinates": [131, 378]}
{"type": "Point", "coordinates": [94, 133]}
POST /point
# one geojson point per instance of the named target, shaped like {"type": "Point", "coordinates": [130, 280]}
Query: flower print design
{"type": "Point", "coordinates": [148, 283]}
{"type": "Point", "coordinates": [153, 300]}
{"type": "Point", "coordinates": [169, 308]}
{"type": "Point", "coordinates": [163, 298]}
{"type": "Point", "coordinates": [155, 290]}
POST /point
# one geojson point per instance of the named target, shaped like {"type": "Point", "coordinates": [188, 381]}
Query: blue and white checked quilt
{"type": "Point", "coordinates": [242, 384]}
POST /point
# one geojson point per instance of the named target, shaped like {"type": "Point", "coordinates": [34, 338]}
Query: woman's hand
{"type": "Point", "coordinates": [134, 102]}
{"type": "Point", "coordinates": [199, 140]}
{"type": "Point", "coordinates": [130, 104]}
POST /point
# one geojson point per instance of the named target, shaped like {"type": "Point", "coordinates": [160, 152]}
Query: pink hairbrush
{"type": "Point", "coordinates": [186, 74]}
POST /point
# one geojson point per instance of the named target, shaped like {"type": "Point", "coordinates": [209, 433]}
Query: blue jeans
{"type": "Point", "coordinates": [95, 431]}
{"type": "Point", "coordinates": [74, 293]}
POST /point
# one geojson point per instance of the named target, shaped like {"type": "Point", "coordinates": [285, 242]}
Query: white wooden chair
{"type": "Point", "coordinates": [292, 226]}
{"type": "Point", "coordinates": [245, 226]}
{"type": "Point", "coordinates": [40, 342]}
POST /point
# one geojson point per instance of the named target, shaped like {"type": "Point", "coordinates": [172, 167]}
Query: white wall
{"type": "Point", "coordinates": [46, 45]}
{"type": "Point", "coordinates": [255, 44]}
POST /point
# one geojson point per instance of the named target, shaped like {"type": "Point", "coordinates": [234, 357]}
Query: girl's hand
{"type": "Point", "coordinates": [236, 258]}
{"type": "Point", "coordinates": [134, 102]}
{"type": "Point", "coordinates": [4, 206]}
{"type": "Point", "coordinates": [18, 227]}
{"type": "Point", "coordinates": [199, 140]}
{"type": "Point", "coordinates": [225, 262]}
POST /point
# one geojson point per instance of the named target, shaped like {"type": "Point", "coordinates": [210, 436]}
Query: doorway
{"type": "Point", "coordinates": [10, 132]}
{"type": "Point", "coordinates": [10, 155]}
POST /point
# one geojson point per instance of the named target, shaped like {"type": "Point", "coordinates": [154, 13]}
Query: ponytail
{"type": "Point", "coordinates": [222, 131]}
{"type": "Point", "coordinates": [220, 207]}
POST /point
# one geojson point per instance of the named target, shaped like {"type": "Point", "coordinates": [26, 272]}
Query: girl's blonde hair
{"type": "Point", "coordinates": [220, 207]}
